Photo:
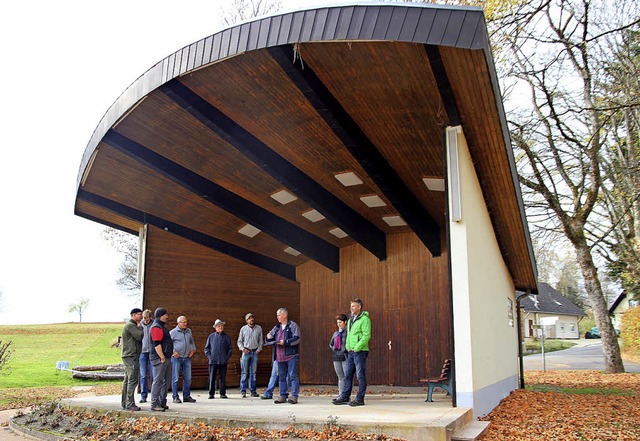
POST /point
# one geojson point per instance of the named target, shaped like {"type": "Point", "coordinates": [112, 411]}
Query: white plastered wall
{"type": "Point", "coordinates": [485, 333]}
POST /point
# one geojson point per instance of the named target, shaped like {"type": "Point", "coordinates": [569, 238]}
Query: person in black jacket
{"type": "Point", "coordinates": [160, 359]}
{"type": "Point", "coordinates": [218, 350]}
{"type": "Point", "coordinates": [338, 346]}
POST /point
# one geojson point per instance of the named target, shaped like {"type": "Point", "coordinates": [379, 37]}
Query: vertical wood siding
{"type": "Point", "coordinates": [407, 297]}
{"type": "Point", "coordinates": [202, 284]}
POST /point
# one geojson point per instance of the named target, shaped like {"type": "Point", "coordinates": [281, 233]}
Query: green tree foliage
{"type": "Point", "coordinates": [630, 330]}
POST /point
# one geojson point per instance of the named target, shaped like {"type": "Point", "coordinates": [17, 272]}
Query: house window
{"type": "Point", "coordinates": [510, 312]}
{"type": "Point", "coordinates": [573, 327]}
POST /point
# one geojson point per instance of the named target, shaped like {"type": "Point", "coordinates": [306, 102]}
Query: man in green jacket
{"type": "Point", "coordinates": [132, 334]}
{"type": "Point", "coordinates": [358, 336]}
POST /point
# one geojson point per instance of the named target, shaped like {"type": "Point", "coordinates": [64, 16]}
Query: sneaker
{"type": "Point", "coordinates": [157, 409]}
{"type": "Point", "coordinates": [292, 400]}
{"type": "Point", "coordinates": [244, 394]}
{"type": "Point", "coordinates": [265, 397]}
{"type": "Point", "coordinates": [177, 400]}
{"type": "Point", "coordinates": [355, 403]}
{"type": "Point", "coordinates": [280, 400]}
{"type": "Point", "coordinates": [134, 408]}
{"type": "Point", "coordinates": [144, 400]}
{"type": "Point", "coordinates": [339, 401]}
{"type": "Point", "coordinates": [189, 400]}
{"type": "Point", "coordinates": [223, 396]}
{"type": "Point", "coordinates": [254, 394]}
{"type": "Point", "coordinates": [211, 397]}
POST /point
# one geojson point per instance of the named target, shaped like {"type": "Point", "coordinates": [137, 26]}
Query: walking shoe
{"type": "Point", "coordinates": [265, 397]}
{"type": "Point", "coordinates": [339, 401]}
{"type": "Point", "coordinates": [177, 400]}
{"type": "Point", "coordinates": [293, 400]}
{"type": "Point", "coordinates": [134, 408]}
{"type": "Point", "coordinates": [254, 394]}
{"type": "Point", "coordinates": [157, 409]}
{"type": "Point", "coordinates": [223, 396]}
{"type": "Point", "coordinates": [280, 400]}
{"type": "Point", "coordinates": [211, 397]}
{"type": "Point", "coordinates": [144, 400]}
{"type": "Point", "coordinates": [244, 395]}
{"type": "Point", "coordinates": [355, 403]}
{"type": "Point", "coordinates": [165, 407]}
{"type": "Point", "coordinates": [189, 400]}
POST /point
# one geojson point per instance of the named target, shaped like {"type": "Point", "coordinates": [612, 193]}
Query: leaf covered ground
{"type": "Point", "coordinates": [557, 405]}
{"type": "Point", "coordinates": [569, 405]}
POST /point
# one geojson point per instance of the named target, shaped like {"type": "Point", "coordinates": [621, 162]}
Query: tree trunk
{"type": "Point", "coordinates": [610, 347]}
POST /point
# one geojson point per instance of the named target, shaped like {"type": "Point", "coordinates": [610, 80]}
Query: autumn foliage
{"type": "Point", "coordinates": [569, 405]}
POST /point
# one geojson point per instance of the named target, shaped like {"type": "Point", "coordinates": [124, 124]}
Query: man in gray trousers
{"type": "Point", "coordinates": [131, 347]}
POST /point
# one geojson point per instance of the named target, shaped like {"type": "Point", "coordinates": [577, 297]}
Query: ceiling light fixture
{"type": "Point", "coordinates": [348, 179]}
{"type": "Point", "coordinates": [373, 201]}
{"type": "Point", "coordinates": [434, 184]}
{"type": "Point", "coordinates": [313, 215]}
{"type": "Point", "coordinates": [284, 197]}
{"type": "Point", "coordinates": [292, 251]}
{"type": "Point", "coordinates": [394, 221]}
{"type": "Point", "coordinates": [249, 230]}
{"type": "Point", "coordinates": [337, 232]}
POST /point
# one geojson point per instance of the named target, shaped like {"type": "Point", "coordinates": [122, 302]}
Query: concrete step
{"type": "Point", "coordinates": [471, 431]}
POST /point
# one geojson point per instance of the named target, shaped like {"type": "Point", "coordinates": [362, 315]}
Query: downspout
{"type": "Point", "coordinates": [520, 355]}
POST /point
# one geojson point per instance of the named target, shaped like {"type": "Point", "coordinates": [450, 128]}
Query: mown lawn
{"type": "Point", "coordinates": [37, 348]}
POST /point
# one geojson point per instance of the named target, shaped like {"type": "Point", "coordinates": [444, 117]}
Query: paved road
{"type": "Point", "coordinates": [587, 355]}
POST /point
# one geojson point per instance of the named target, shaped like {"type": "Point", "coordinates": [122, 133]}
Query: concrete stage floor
{"type": "Point", "coordinates": [395, 411]}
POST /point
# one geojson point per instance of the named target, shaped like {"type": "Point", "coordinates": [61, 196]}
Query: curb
{"type": "Point", "coordinates": [35, 434]}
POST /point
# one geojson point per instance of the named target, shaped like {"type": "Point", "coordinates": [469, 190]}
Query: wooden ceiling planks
{"type": "Point", "coordinates": [109, 218]}
{"type": "Point", "coordinates": [389, 90]}
{"type": "Point", "coordinates": [160, 124]}
{"type": "Point", "coordinates": [124, 180]}
{"type": "Point", "coordinates": [469, 77]}
{"type": "Point", "coordinates": [256, 93]}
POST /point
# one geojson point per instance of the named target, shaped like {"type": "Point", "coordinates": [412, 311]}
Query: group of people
{"type": "Point", "coordinates": [151, 351]}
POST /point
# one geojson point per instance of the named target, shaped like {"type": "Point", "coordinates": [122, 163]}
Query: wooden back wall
{"type": "Point", "coordinates": [203, 285]}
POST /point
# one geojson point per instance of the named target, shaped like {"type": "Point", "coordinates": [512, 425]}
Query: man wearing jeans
{"type": "Point", "coordinates": [358, 336]}
{"type": "Point", "coordinates": [250, 343]}
{"type": "Point", "coordinates": [183, 349]}
{"type": "Point", "coordinates": [146, 370]}
{"type": "Point", "coordinates": [286, 336]}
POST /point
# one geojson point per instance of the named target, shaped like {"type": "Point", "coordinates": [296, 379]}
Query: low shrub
{"type": "Point", "coordinates": [630, 330]}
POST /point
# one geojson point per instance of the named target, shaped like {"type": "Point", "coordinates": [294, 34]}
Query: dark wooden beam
{"type": "Point", "coordinates": [247, 256]}
{"type": "Point", "coordinates": [361, 148]}
{"type": "Point", "coordinates": [308, 244]}
{"type": "Point", "coordinates": [341, 214]}
{"type": "Point", "coordinates": [442, 80]}
{"type": "Point", "coordinates": [105, 223]}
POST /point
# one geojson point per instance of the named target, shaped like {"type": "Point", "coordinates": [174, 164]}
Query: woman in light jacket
{"type": "Point", "coordinates": [339, 350]}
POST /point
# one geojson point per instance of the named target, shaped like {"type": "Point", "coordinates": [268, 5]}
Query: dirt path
{"type": "Point", "coordinates": [7, 434]}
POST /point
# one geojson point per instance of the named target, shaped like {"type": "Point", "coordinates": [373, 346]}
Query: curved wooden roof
{"type": "Point", "coordinates": [203, 142]}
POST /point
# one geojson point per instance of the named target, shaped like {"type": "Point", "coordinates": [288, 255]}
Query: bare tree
{"type": "Point", "coordinates": [555, 49]}
{"type": "Point", "coordinates": [240, 10]}
{"type": "Point", "coordinates": [79, 307]}
{"type": "Point", "coordinates": [126, 244]}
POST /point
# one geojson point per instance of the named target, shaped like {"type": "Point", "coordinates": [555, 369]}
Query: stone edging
{"type": "Point", "coordinates": [35, 434]}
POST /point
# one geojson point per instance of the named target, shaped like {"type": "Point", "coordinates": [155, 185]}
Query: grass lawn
{"type": "Point", "coordinates": [37, 348]}
{"type": "Point", "coordinates": [535, 347]}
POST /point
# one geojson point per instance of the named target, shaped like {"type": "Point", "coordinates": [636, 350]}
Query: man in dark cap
{"type": "Point", "coordinates": [160, 358]}
{"type": "Point", "coordinates": [131, 347]}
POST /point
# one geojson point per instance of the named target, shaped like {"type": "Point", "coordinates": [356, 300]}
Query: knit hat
{"type": "Point", "coordinates": [135, 311]}
{"type": "Point", "coordinates": [246, 317]}
{"type": "Point", "coordinates": [160, 312]}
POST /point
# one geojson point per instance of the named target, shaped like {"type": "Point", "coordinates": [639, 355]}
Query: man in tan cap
{"type": "Point", "coordinates": [218, 350]}
{"type": "Point", "coordinates": [250, 343]}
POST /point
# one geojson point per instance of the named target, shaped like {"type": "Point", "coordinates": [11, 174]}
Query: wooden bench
{"type": "Point", "coordinates": [443, 381]}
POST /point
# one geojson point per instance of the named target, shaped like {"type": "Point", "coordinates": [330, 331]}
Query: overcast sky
{"type": "Point", "coordinates": [63, 64]}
